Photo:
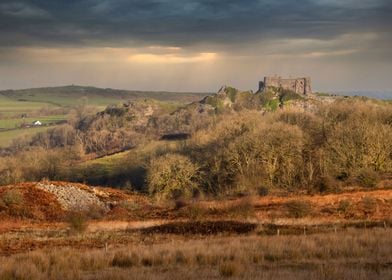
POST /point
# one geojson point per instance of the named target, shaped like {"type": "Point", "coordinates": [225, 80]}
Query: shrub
{"type": "Point", "coordinates": [262, 191]}
{"type": "Point", "coordinates": [147, 261]}
{"type": "Point", "coordinates": [298, 208]}
{"type": "Point", "coordinates": [228, 269]}
{"type": "Point", "coordinates": [358, 143]}
{"type": "Point", "coordinates": [179, 257]}
{"type": "Point", "coordinates": [77, 222]}
{"type": "Point", "coordinates": [369, 204]}
{"type": "Point", "coordinates": [179, 202]}
{"type": "Point", "coordinates": [328, 184]}
{"type": "Point", "coordinates": [12, 198]}
{"type": "Point", "coordinates": [122, 259]}
{"type": "Point", "coordinates": [195, 212]}
{"type": "Point", "coordinates": [368, 178]}
{"type": "Point", "coordinates": [130, 205]}
{"type": "Point", "coordinates": [243, 208]}
{"type": "Point", "coordinates": [3, 206]}
{"type": "Point", "coordinates": [232, 93]}
{"type": "Point", "coordinates": [247, 154]}
{"type": "Point", "coordinates": [344, 206]}
{"type": "Point", "coordinates": [173, 177]}
{"type": "Point", "coordinates": [95, 211]}
{"type": "Point", "coordinates": [286, 95]}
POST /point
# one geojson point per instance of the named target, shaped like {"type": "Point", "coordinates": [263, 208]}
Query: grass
{"type": "Point", "coordinates": [128, 165]}
{"type": "Point", "coordinates": [6, 137]}
{"type": "Point", "coordinates": [298, 208]}
{"type": "Point", "coordinates": [77, 222]}
{"type": "Point", "coordinates": [352, 254]}
{"type": "Point", "coordinates": [15, 103]}
{"type": "Point", "coordinates": [96, 170]}
{"type": "Point", "coordinates": [74, 95]}
{"type": "Point", "coordinates": [12, 107]}
{"type": "Point", "coordinates": [108, 161]}
{"type": "Point", "coordinates": [71, 100]}
{"type": "Point", "coordinates": [11, 123]}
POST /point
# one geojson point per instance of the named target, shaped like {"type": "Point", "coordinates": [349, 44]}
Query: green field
{"type": "Point", "coordinates": [76, 95]}
{"type": "Point", "coordinates": [59, 100]}
{"type": "Point", "coordinates": [62, 100]}
{"type": "Point", "coordinates": [6, 137]}
{"type": "Point", "coordinates": [18, 122]}
{"type": "Point", "coordinates": [120, 168]}
{"type": "Point", "coordinates": [10, 107]}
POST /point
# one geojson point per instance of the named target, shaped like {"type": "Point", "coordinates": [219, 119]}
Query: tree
{"type": "Point", "coordinates": [172, 177]}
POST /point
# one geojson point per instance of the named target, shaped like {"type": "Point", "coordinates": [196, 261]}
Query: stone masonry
{"type": "Point", "coordinates": [297, 85]}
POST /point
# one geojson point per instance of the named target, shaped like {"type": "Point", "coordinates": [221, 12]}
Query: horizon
{"type": "Point", "coordinates": [377, 94]}
{"type": "Point", "coordinates": [196, 45]}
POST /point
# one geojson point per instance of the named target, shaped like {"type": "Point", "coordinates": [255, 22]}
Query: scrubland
{"type": "Point", "coordinates": [253, 186]}
{"type": "Point", "coordinates": [351, 254]}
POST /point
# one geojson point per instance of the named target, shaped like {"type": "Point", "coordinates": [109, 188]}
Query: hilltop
{"type": "Point", "coordinates": [68, 95]}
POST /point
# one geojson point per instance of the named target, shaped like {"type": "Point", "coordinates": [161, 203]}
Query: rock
{"type": "Point", "coordinates": [71, 197]}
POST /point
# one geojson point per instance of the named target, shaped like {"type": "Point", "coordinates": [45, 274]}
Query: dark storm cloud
{"type": "Point", "coordinates": [184, 22]}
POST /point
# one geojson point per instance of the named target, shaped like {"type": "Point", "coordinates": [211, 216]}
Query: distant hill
{"type": "Point", "coordinates": [386, 95]}
{"type": "Point", "coordinates": [69, 95]}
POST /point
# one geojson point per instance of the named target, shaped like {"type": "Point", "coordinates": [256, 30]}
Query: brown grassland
{"type": "Point", "coordinates": [348, 254]}
{"type": "Point", "coordinates": [331, 236]}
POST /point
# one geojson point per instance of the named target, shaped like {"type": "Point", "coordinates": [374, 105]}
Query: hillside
{"type": "Point", "coordinates": [72, 95]}
{"type": "Point", "coordinates": [235, 184]}
{"type": "Point", "coordinates": [294, 126]}
{"type": "Point", "coordinates": [52, 201]}
{"type": "Point", "coordinates": [54, 105]}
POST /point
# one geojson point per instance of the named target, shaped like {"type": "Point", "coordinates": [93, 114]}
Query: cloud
{"type": "Point", "coordinates": [21, 10]}
{"type": "Point", "coordinates": [185, 23]}
{"type": "Point", "coordinates": [70, 55]}
{"type": "Point", "coordinates": [195, 43]}
{"type": "Point", "coordinates": [171, 58]}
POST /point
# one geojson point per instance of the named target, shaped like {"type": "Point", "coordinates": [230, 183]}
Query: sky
{"type": "Point", "coordinates": [195, 45]}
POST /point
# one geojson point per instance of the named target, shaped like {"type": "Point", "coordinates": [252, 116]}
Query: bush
{"type": "Point", "coordinates": [262, 191]}
{"type": "Point", "coordinates": [77, 222]}
{"type": "Point", "coordinates": [298, 208]}
{"type": "Point", "coordinates": [3, 206]}
{"type": "Point", "coordinates": [147, 261]}
{"type": "Point", "coordinates": [344, 206]}
{"type": "Point", "coordinates": [180, 258]}
{"type": "Point", "coordinates": [130, 205]}
{"type": "Point", "coordinates": [359, 143]}
{"type": "Point", "coordinates": [246, 153]}
{"type": "Point", "coordinates": [173, 177]}
{"type": "Point", "coordinates": [368, 178]}
{"type": "Point", "coordinates": [328, 184]}
{"type": "Point", "coordinates": [243, 208]}
{"type": "Point", "coordinates": [369, 204]}
{"type": "Point", "coordinates": [122, 259]}
{"type": "Point", "coordinates": [12, 198]}
{"type": "Point", "coordinates": [96, 211]}
{"type": "Point", "coordinates": [195, 212]}
{"type": "Point", "coordinates": [228, 269]}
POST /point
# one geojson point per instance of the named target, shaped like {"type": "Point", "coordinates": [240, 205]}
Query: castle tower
{"type": "Point", "coordinates": [297, 85]}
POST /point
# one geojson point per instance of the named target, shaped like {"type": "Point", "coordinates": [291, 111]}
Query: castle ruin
{"type": "Point", "coordinates": [297, 85]}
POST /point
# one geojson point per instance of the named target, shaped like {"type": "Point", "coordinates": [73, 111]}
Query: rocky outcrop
{"type": "Point", "coordinates": [72, 198]}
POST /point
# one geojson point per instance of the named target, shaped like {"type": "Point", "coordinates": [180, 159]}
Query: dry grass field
{"type": "Point", "coordinates": [349, 254]}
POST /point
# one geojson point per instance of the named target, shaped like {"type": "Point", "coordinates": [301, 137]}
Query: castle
{"type": "Point", "coordinates": [298, 85]}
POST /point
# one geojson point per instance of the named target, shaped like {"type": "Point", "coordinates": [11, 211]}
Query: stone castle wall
{"type": "Point", "coordinates": [298, 85]}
